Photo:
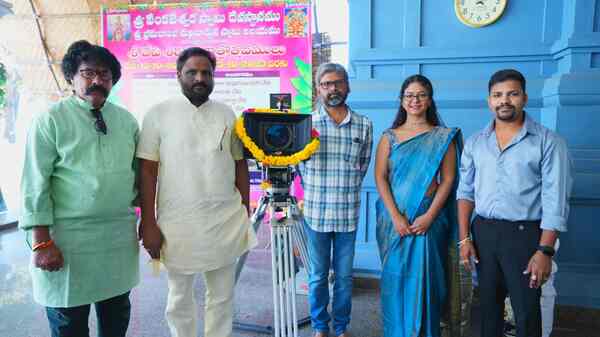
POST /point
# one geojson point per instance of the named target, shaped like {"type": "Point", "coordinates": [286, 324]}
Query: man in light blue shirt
{"type": "Point", "coordinates": [515, 174]}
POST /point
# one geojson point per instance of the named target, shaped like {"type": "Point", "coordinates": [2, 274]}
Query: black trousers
{"type": "Point", "coordinates": [504, 249]}
{"type": "Point", "coordinates": [112, 314]}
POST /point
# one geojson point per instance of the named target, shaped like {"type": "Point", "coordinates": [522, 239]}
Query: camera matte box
{"type": "Point", "coordinates": [278, 133]}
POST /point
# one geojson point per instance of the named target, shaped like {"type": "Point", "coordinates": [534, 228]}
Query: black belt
{"type": "Point", "coordinates": [483, 220]}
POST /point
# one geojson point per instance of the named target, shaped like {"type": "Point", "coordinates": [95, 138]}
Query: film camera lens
{"type": "Point", "coordinates": [278, 133]}
{"type": "Point", "coordinates": [277, 136]}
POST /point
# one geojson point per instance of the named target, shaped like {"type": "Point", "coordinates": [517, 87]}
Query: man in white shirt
{"type": "Point", "coordinates": [188, 150]}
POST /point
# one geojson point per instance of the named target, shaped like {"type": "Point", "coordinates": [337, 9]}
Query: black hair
{"type": "Point", "coordinates": [430, 115]}
{"type": "Point", "coordinates": [83, 51]}
{"type": "Point", "coordinates": [195, 51]}
{"type": "Point", "coordinates": [506, 75]}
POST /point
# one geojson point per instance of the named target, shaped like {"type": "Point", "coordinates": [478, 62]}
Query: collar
{"type": "Point", "coordinates": [323, 112]}
{"type": "Point", "coordinates": [188, 103]}
{"type": "Point", "coordinates": [529, 127]}
{"type": "Point", "coordinates": [80, 102]}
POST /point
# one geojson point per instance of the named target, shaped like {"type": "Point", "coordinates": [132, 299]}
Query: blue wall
{"type": "Point", "coordinates": [554, 43]}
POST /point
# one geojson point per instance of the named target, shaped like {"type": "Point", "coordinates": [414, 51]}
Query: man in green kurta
{"type": "Point", "coordinates": [77, 193]}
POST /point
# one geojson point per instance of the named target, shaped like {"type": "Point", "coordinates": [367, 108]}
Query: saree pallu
{"type": "Point", "coordinates": [420, 272]}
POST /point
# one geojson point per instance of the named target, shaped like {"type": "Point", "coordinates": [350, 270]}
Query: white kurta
{"type": "Point", "coordinates": [199, 209]}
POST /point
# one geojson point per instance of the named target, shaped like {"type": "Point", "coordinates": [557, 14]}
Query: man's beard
{"type": "Point", "coordinates": [96, 88]}
{"type": "Point", "coordinates": [335, 100]}
{"type": "Point", "coordinates": [196, 96]}
{"type": "Point", "coordinates": [506, 116]}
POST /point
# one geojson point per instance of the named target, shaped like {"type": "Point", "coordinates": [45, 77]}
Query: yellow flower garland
{"type": "Point", "coordinates": [269, 160]}
{"type": "Point", "coordinates": [265, 185]}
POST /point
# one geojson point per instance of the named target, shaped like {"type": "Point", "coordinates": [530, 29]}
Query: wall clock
{"type": "Point", "coordinates": [479, 13]}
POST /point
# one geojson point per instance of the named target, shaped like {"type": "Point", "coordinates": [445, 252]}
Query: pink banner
{"type": "Point", "coordinates": [262, 47]}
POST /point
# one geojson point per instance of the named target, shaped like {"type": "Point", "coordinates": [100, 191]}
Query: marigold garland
{"type": "Point", "coordinates": [269, 160]}
{"type": "Point", "coordinates": [265, 185]}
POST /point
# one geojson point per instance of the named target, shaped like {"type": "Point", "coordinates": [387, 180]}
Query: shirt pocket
{"type": "Point", "coordinates": [223, 145]}
{"type": "Point", "coordinates": [352, 154]}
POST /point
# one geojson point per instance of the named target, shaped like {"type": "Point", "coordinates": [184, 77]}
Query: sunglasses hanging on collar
{"type": "Point", "coordinates": [99, 123]}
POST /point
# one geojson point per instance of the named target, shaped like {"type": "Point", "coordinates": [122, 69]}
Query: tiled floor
{"type": "Point", "coordinates": [21, 317]}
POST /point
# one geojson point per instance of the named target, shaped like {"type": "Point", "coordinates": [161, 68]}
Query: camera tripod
{"type": "Point", "coordinates": [287, 233]}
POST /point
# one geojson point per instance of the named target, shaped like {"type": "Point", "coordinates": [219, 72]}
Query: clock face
{"type": "Point", "coordinates": [478, 13]}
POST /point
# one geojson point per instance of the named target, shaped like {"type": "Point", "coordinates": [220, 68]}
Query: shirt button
{"type": "Point", "coordinates": [521, 227]}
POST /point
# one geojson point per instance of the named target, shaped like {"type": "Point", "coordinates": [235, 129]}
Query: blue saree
{"type": "Point", "coordinates": [414, 279]}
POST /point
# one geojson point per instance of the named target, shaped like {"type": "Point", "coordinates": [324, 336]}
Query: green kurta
{"type": "Point", "coordinates": [80, 183]}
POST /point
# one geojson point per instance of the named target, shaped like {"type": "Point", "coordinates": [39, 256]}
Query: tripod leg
{"type": "Point", "coordinates": [299, 234]}
{"type": "Point", "coordinates": [283, 240]}
{"type": "Point", "coordinates": [293, 282]}
{"type": "Point", "coordinates": [300, 243]}
{"type": "Point", "coordinates": [257, 218]}
{"type": "Point", "coordinates": [274, 276]}
{"type": "Point", "coordinates": [287, 255]}
{"type": "Point", "coordinates": [280, 280]}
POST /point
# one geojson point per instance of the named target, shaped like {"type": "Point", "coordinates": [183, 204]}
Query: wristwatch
{"type": "Point", "coordinates": [547, 250]}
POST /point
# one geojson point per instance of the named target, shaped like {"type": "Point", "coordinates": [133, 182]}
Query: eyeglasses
{"type": "Point", "coordinates": [421, 96]}
{"type": "Point", "coordinates": [90, 74]}
{"type": "Point", "coordinates": [99, 124]}
{"type": "Point", "coordinates": [332, 84]}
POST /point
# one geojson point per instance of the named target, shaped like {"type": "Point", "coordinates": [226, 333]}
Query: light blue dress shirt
{"type": "Point", "coordinates": [529, 180]}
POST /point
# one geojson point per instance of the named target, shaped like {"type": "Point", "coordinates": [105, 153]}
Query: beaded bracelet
{"type": "Point", "coordinates": [42, 245]}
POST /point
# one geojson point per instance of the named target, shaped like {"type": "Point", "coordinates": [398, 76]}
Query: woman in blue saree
{"type": "Point", "coordinates": [415, 174]}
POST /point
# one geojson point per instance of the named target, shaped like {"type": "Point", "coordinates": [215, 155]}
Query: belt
{"type": "Point", "coordinates": [484, 220]}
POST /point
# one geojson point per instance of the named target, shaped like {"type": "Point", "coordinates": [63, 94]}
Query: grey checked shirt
{"type": "Point", "coordinates": [333, 176]}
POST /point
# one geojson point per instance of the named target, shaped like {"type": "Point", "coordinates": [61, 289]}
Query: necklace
{"type": "Point", "coordinates": [416, 126]}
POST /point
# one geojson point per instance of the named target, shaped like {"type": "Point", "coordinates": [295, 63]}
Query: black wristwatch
{"type": "Point", "coordinates": [547, 250]}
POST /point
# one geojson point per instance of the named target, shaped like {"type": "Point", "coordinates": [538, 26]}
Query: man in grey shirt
{"type": "Point", "coordinates": [516, 176]}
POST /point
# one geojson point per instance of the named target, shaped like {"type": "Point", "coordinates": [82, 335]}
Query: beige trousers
{"type": "Point", "coordinates": [182, 313]}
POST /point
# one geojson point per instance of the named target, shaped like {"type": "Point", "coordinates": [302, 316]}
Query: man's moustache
{"type": "Point", "coordinates": [202, 85]}
{"type": "Point", "coordinates": [504, 107]}
{"type": "Point", "coordinates": [334, 96]}
{"type": "Point", "coordinates": [335, 100]}
{"type": "Point", "coordinates": [102, 90]}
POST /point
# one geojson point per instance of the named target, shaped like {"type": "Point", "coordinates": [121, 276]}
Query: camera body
{"type": "Point", "coordinates": [278, 133]}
